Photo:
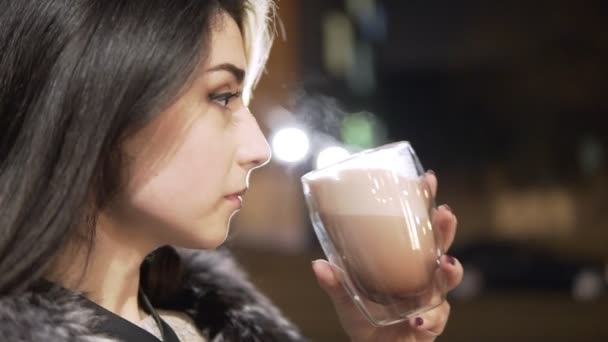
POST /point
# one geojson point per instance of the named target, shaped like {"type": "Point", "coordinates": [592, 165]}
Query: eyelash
{"type": "Point", "coordinates": [224, 99]}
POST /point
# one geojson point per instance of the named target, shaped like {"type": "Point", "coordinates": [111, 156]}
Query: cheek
{"type": "Point", "coordinates": [183, 195]}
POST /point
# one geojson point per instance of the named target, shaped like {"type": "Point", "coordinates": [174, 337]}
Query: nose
{"type": "Point", "coordinates": [254, 150]}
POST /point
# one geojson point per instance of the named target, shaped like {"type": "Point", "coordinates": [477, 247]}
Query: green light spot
{"type": "Point", "coordinates": [358, 130]}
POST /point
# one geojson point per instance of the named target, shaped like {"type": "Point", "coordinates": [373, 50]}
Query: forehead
{"type": "Point", "coordinates": [227, 45]}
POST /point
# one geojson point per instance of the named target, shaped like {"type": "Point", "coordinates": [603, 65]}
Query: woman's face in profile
{"type": "Point", "coordinates": [188, 164]}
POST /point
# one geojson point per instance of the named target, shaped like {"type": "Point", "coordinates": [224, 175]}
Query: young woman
{"type": "Point", "coordinates": [124, 130]}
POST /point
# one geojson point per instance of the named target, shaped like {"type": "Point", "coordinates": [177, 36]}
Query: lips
{"type": "Point", "coordinates": [236, 198]}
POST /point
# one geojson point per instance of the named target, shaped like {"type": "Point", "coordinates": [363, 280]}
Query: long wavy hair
{"type": "Point", "coordinates": [77, 79]}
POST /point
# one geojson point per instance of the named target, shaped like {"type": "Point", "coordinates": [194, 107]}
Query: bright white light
{"type": "Point", "coordinates": [290, 145]}
{"type": "Point", "coordinates": [331, 155]}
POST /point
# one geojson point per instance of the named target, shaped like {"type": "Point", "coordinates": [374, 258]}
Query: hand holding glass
{"type": "Point", "coordinates": [372, 216]}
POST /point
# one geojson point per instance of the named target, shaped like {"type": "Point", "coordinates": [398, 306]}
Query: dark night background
{"type": "Point", "coordinates": [483, 79]}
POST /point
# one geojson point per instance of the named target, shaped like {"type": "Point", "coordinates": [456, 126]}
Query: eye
{"type": "Point", "coordinates": [224, 99]}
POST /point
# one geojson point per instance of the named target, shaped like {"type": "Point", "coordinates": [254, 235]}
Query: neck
{"type": "Point", "coordinates": [109, 276]}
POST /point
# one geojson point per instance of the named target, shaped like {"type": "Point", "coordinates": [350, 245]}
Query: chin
{"type": "Point", "coordinates": [208, 236]}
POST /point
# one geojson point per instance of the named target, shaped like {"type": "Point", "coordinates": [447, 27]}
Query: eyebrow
{"type": "Point", "coordinates": [238, 73]}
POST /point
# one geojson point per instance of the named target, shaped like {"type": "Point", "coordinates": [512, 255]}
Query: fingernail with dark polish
{"type": "Point", "coordinates": [419, 321]}
{"type": "Point", "coordinates": [451, 260]}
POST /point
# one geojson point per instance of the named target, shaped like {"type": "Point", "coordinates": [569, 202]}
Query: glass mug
{"type": "Point", "coordinates": [372, 214]}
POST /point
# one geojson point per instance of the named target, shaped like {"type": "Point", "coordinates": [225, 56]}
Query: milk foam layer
{"type": "Point", "coordinates": [368, 191]}
{"type": "Point", "coordinates": [402, 163]}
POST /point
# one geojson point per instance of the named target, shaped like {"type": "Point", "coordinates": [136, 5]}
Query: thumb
{"type": "Point", "coordinates": [352, 320]}
{"type": "Point", "coordinates": [328, 280]}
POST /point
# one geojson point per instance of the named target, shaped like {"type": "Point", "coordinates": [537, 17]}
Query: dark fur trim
{"type": "Point", "coordinates": [219, 286]}
{"type": "Point", "coordinates": [55, 316]}
{"type": "Point", "coordinates": [214, 292]}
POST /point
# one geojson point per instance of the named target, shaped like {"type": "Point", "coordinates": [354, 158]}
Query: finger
{"type": "Point", "coordinates": [431, 324]}
{"type": "Point", "coordinates": [445, 221]}
{"type": "Point", "coordinates": [452, 270]}
{"type": "Point", "coordinates": [431, 181]}
{"type": "Point", "coordinates": [329, 282]}
{"type": "Point", "coordinates": [353, 322]}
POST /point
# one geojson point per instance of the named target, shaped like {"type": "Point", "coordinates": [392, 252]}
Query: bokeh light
{"type": "Point", "coordinates": [331, 155]}
{"type": "Point", "coordinates": [290, 145]}
{"type": "Point", "coordinates": [358, 130]}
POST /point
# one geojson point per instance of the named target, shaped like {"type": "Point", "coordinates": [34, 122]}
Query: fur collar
{"type": "Point", "coordinates": [214, 291]}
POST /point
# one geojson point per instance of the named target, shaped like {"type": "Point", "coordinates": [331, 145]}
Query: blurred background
{"type": "Point", "coordinates": [504, 100]}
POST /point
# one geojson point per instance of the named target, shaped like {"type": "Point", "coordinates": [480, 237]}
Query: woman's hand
{"type": "Point", "coordinates": [426, 326]}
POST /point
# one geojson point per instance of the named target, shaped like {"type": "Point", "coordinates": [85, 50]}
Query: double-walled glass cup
{"type": "Point", "coordinates": [372, 214]}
